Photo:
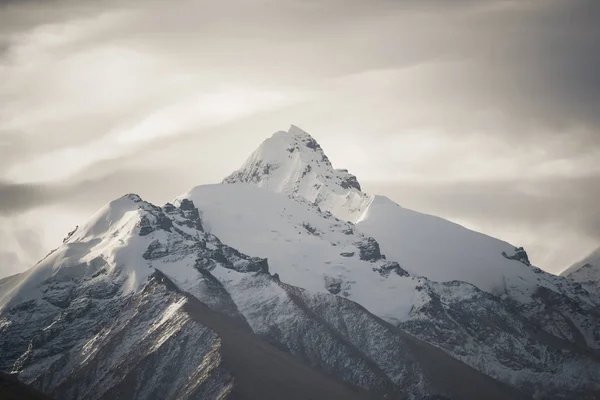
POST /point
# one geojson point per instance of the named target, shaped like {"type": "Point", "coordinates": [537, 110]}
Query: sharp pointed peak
{"type": "Point", "coordinates": [295, 139]}
{"type": "Point", "coordinates": [292, 162]}
{"type": "Point", "coordinates": [297, 131]}
{"type": "Point", "coordinates": [294, 134]}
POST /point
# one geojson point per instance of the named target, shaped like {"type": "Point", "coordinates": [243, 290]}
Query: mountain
{"type": "Point", "coordinates": [12, 389]}
{"type": "Point", "coordinates": [141, 302]}
{"type": "Point", "coordinates": [293, 163]}
{"type": "Point", "coordinates": [279, 283]}
{"type": "Point", "coordinates": [477, 268]}
{"type": "Point", "coordinates": [586, 272]}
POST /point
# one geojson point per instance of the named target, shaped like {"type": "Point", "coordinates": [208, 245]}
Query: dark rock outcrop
{"type": "Point", "coordinates": [519, 255]}
{"type": "Point", "coordinates": [369, 250]}
{"type": "Point", "coordinates": [389, 267]}
{"type": "Point", "coordinates": [155, 250]}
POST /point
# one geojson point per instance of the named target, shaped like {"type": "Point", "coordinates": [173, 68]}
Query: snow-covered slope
{"type": "Point", "coordinates": [302, 240]}
{"type": "Point", "coordinates": [586, 272]}
{"type": "Point", "coordinates": [290, 277]}
{"type": "Point", "coordinates": [312, 249]}
{"type": "Point", "coordinates": [307, 247]}
{"type": "Point", "coordinates": [142, 303]}
{"type": "Point", "coordinates": [293, 163]}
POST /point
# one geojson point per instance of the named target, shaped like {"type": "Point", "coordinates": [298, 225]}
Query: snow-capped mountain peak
{"type": "Point", "coordinates": [293, 278]}
{"type": "Point", "coordinates": [293, 162]}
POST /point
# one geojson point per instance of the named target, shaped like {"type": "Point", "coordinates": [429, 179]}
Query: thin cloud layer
{"type": "Point", "coordinates": [429, 100]}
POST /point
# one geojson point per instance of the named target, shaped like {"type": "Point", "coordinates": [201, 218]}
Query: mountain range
{"type": "Point", "coordinates": [287, 280]}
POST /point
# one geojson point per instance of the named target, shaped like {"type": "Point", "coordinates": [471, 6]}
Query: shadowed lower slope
{"type": "Point", "coordinates": [12, 389]}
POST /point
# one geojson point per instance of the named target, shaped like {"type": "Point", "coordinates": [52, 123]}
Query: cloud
{"type": "Point", "coordinates": [466, 97]}
{"type": "Point", "coordinates": [15, 198]}
{"type": "Point", "coordinates": [20, 248]}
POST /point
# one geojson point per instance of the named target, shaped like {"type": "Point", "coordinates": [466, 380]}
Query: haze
{"type": "Point", "coordinates": [486, 113]}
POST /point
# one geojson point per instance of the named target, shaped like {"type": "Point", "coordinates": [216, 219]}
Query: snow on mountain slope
{"type": "Point", "coordinates": [441, 250]}
{"type": "Point", "coordinates": [105, 244]}
{"type": "Point", "coordinates": [97, 319]}
{"type": "Point", "coordinates": [84, 324]}
{"type": "Point", "coordinates": [307, 247]}
{"type": "Point", "coordinates": [292, 162]}
{"type": "Point", "coordinates": [339, 336]}
{"type": "Point", "coordinates": [144, 299]}
{"type": "Point", "coordinates": [423, 245]}
{"type": "Point", "coordinates": [586, 272]}
{"type": "Point", "coordinates": [311, 249]}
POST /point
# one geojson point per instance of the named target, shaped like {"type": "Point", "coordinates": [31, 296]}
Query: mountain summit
{"type": "Point", "coordinates": [292, 162]}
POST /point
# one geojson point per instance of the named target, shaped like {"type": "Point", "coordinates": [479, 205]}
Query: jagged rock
{"type": "Point", "coordinates": [164, 223]}
{"type": "Point", "coordinates": [333, 285]}
{"type": "Point", "coordinates": [390, 267]}
{"type": "Point", "coordinates": [191, 213]}
{"type": "Point", "coordinates": [520, 255]}
{"type": "Point", "coordinates": [145, 226]}
{"type": "Point", "coordinates": [59, 294]}
{"type": "Point", "coordinates": [133, 197]}
{"type": "Point", "coordinates": [347, 180]}
{"type": "Point", "coordinates": [155, 250]}
{"type": "Point", "coordinates": [310, 229]}
{"type": "Point", "coordinates": [154, 219]}
{"type": "Point", "coordinates": [369, 250]}
{"type": "Point", "coordinates": [169, 208]}
{"type": "Point", "coordinates": [70, 234]}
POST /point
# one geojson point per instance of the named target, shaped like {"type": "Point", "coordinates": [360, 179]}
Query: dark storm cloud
{"type": "Point", "coordinates": [19, 198]}
{"type": "Point", "coordinates": [15, 198]}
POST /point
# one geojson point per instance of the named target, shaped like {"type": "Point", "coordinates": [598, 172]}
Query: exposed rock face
{"type": "Point", "coordinates": [155, 250]}
{"type": "Point", "coordinates": [519, 255]}
{"type": "Point", "coordinates": [348, 180]}
{"type": "Point", "coordinates": [386, 269]}
{"type": "Point", "coordinates": [70, 234]}
{"type": "Point", "coordinates": [495, 337]}
{"type": "Point", "coordinates": [369, 250]}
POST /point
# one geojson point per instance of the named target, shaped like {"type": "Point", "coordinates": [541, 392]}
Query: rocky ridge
{"type": "Point", "coordinates": [288, 276]}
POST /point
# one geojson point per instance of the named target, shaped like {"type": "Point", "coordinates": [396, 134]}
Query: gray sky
{"type": "Point", "coordinates": [483, 112]}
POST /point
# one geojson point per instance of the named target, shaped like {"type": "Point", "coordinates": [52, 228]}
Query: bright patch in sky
{"type": "Point", "coordinates": [196, 112]}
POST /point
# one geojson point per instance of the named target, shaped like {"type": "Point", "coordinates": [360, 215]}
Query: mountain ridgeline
{"type": "Point", "coordinates": [287, 281]}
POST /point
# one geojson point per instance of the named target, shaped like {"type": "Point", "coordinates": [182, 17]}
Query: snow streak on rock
{"type": "Point", "coordinates": [289, 276]}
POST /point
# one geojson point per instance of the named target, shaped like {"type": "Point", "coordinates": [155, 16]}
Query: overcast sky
{"type": "Point", "coordinates": [483, 112]}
